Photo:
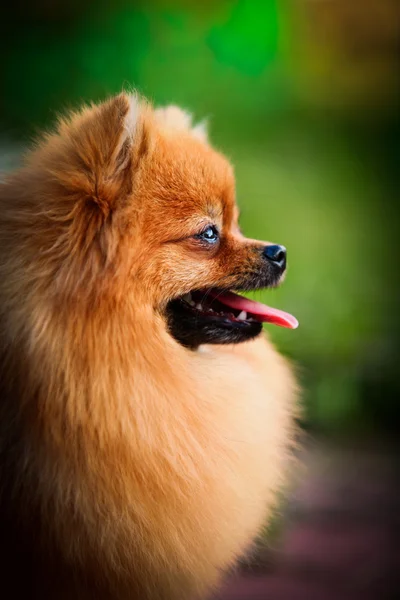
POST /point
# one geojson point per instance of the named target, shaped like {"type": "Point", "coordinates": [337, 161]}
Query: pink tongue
{"type": "Point", "coordinates": [263, 313]}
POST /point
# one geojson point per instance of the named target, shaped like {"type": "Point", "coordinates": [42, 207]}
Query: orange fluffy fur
{"type": "Point", "coordinates": [131, 467]}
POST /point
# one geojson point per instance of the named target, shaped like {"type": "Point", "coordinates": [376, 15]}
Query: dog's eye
{"type": "Point", "coordinates": [209, 235]}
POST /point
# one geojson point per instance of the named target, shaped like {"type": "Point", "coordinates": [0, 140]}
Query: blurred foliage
{"type": "Point", "coordinates": [302, 96]}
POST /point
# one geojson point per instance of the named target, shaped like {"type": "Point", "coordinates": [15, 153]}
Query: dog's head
{"type": "Point", "coordinates": [135, 202]}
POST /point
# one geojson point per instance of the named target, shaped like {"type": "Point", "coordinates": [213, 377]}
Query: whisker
{"type": "Point", "coordinates": [220, 291]}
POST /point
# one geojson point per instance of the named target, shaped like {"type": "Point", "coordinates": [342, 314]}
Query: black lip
{"type": "Point", "coordinates": [192, 328]}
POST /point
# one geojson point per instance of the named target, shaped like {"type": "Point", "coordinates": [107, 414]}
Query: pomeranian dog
{"type": "Point", "coordinates": [145, 423]}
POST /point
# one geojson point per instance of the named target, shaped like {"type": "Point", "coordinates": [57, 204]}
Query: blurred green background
{"type": "Point", "coordinates": [302, 95]}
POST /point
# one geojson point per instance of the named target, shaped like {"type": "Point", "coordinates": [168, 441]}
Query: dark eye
{"type": "Point", "coordinates": [209, 235]}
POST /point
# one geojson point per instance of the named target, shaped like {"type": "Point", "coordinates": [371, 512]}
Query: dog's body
{"type": "Point", "coordinates": [132, 466]}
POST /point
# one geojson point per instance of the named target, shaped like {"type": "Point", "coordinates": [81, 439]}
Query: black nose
{"type": "Point", "coordinates": [276, 254]}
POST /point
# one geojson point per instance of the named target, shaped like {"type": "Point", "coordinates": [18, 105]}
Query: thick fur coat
{"type": "Point", "coordinates": [131, 467]}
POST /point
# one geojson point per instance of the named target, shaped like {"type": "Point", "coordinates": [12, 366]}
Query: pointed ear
{"type": "Point", "coordinates": [97, 150]}
{"type": "Point", "coordinates": [200, 131]}
{"type": "Point", "coordinates": [173, 117]}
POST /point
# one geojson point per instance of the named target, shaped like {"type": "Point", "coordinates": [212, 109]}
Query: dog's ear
{"type": "Point", "coordinates": [173, 117]}
{"type": "Point", "coordinates": [96, 152]}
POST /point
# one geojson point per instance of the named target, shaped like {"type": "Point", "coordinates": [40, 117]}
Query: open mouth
{"type": "Point", "coordinates": [212, 316]}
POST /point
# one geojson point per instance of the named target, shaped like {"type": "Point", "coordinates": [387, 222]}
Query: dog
{"type": "Point", "coordinates": [146, 423]}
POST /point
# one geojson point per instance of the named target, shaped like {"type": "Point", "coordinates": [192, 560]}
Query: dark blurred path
{"type": "Point", "coordinates": [339, 538]}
